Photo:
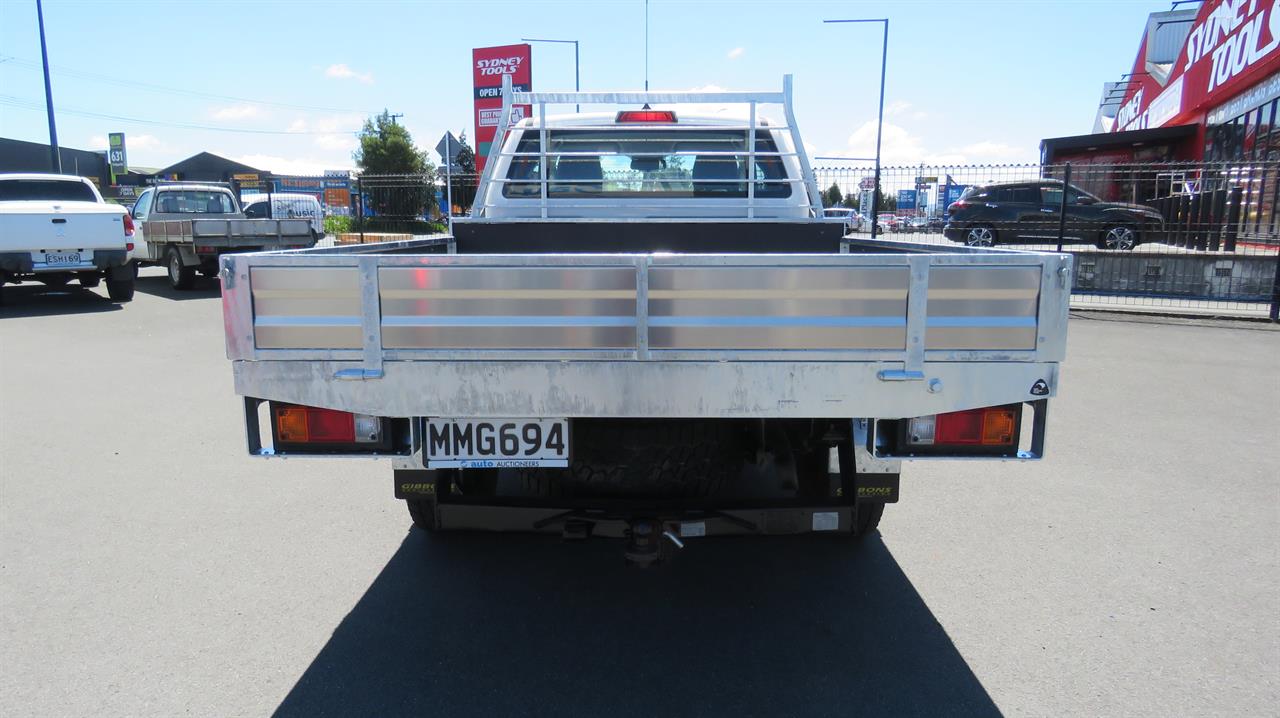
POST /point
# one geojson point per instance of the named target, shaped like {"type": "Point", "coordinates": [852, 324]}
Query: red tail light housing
{"type": "Point", "coordinates": [312, 428]}
{"type": "Point", "coordinates": [991, 430]}
{"type": "Point", "coordinates": [128, 225]}
{"type": "Point", "coordinates": [956, 206]}
{"type": "Point", "coordinates": [647, 116]}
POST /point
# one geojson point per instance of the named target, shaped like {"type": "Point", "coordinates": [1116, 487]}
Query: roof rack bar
{"type": "Point", "coordinates": [638, 98]}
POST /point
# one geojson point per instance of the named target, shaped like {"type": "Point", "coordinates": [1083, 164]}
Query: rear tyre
{"type": "Point", "coordinates": [89, 281]}
{"type": "Point", "coordinates": [180, 276]}
{"type": "Point", "coordinates": [869, 514]}
{"type": "Point", "coordinates": [423, 513]}
{"type": "Point", "coordinates": [980, 236]}
{"type": "Point", "coordinates": [120, 290]}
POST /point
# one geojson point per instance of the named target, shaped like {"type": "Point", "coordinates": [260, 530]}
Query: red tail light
{"type": "Point", "coordinates": [128, 246]}
{"type": "Point", "coordinates": [645, 116]}
{"type": "Point", "coordinates": [308, 425]}
{"type": "Point", "coordinates": [956, 205]}
{"type": "Point", "coordinates": [992, 426]}
{"type": "Point", "coordinates": [128, 225]}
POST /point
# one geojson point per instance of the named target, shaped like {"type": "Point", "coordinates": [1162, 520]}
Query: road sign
{"type": "Point", "coordinates": [906, 199]}
{"type": "Point", "coordinates": [448, 143]}
{"type": "Point", "coordinates": [926, 180]}
{"type": "Point", "coordinates": [867, 183]}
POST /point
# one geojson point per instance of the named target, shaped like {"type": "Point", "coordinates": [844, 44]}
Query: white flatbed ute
{"type": "Point", "coordinates": [186, 226]}
{"type": "Point", "coordinates": [649, 395]}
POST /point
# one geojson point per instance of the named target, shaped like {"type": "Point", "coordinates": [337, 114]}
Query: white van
{"type": "Point", "coordinates": [286, 205]}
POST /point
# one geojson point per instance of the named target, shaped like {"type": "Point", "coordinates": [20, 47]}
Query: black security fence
{"type": "Point", "coordinates": [1177, 236]}
{"type": "Point", "coordinates": [409, 204]}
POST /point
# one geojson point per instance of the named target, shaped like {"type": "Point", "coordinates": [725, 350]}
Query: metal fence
{"type": "Point", "coordinates": [1196, 237]}
{"type": "Point", "coordinates": [1199, 237]}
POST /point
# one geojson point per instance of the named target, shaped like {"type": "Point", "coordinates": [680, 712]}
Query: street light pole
{"type": "Point", "coordinates": [884, 60]}
{"type": "Point", "coordinates": [55, 157]}
{"type": "Point", "coordinates": [576, 84]}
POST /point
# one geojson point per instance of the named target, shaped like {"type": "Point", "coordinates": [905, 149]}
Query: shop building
{"type": "Point", "coordinates": [1205, 86]}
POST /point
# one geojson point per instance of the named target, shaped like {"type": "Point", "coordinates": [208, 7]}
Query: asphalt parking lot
{"type": "Point", "coordinates": [148, 567]}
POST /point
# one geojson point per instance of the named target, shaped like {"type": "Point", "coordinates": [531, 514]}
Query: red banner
{"type": "Point", "coordinates": [488, 66]}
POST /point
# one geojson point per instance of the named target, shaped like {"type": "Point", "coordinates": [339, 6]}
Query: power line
{"type": "Point", "coordinates": [24, 104]}
{"type": "Point", "coordinates": [164, 89]}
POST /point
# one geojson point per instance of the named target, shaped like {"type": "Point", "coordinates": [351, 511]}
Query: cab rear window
{"type": "Point", "coordinates": [19, 190]}
{"type": "Point", "coordinates": [194, 202]}
{"type": "Point", "coordinates": [658, 162]}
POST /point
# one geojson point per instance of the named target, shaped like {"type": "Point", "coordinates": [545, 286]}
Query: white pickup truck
{"type": "Point", "coordinates": [55, 228]}
{"type": "Point", "coordinates": [647, 330]}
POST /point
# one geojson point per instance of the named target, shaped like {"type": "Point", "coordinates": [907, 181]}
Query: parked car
{"type": "Point", "coordinates": [888, 222]}
{"type": "Point", "coordinates": [852, 220]}
{"type": "Point", "coordinates": [1013, 212]}
{"type": "Point", "coordinates": [917, 224]}
{"type": "Point", "coordinates": [286, 205]}
{"type": "Point", "coordinates": [55, 228]}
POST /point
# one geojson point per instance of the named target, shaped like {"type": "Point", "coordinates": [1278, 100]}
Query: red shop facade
{"type": "Point", "coordinates": [1205, 86]}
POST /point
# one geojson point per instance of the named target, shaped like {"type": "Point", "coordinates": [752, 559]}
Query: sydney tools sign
{"type": "Point", "coordinates": [488, 66]}
{"type": "Point", "coordinates": [1230, 46]}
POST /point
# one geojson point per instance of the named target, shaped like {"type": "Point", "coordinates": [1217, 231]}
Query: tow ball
{"type": "Point", "coordinates": [645, 543]}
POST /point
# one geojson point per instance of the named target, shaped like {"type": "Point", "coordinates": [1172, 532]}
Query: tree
{"type": "Point", "coordinates": [851, 201]}
{"type": "Point", "coordinates": [386, 148]}
{"type": "Point", "coordinates": [832, 197]}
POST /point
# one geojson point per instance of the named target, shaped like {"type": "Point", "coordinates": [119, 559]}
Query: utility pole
{"type": "Point", "coordinates": [394, 117]}
{"type": "Point", "coordinates": [55, 157]}
{"type": "Point", "coordinates": [884, 61]}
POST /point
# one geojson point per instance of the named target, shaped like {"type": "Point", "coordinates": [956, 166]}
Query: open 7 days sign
{"type": "Point", "coordinates": [488, 66]}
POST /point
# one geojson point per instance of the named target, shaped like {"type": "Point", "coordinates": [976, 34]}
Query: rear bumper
{"type": "Point", "coordinates": [24, 263]}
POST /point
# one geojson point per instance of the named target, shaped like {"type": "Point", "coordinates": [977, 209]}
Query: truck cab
{"type": "Point", "coordinates": [662, 179]}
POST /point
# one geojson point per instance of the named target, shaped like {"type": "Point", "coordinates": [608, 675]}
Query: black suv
{"type": "Point", "coordinates": [1029, 213]}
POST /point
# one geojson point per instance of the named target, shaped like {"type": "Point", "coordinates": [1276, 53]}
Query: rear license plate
{"type": "Point", "coordinates": [62, 258]}
{"type": "Point", "coordinates": [496, 443]}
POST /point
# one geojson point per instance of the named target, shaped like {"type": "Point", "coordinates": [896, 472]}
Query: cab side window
{"type": "Point", "coordinates": [142, 207]}
{"type": "Point", "coordinates": [257, 210]}
{"type": "Point", "coordinates": [1051, 196]}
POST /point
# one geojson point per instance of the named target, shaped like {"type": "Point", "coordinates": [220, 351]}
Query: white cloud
{"type": "Point", "coordinates": [131, 142]}
{"type": "Point", "coordinates": [896, 107]}
{"type": "Point", "coordinates": [289, 166]}
{"type": "Point", "coordinates": [899, 147]}
{"type": "Point", "coordinates": [736, 52]}
{"type": "Point", "coordinates": [340, 71]}
{"type": "Point", "coordinates": [332, 132]}
{"type": "Point", "coordinates": [336, 142]}
{"type": "Point", "coordinates": [236, 112]}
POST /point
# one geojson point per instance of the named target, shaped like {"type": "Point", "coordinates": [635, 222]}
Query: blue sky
{"type": "Point", "coordinates": [968, 82]}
